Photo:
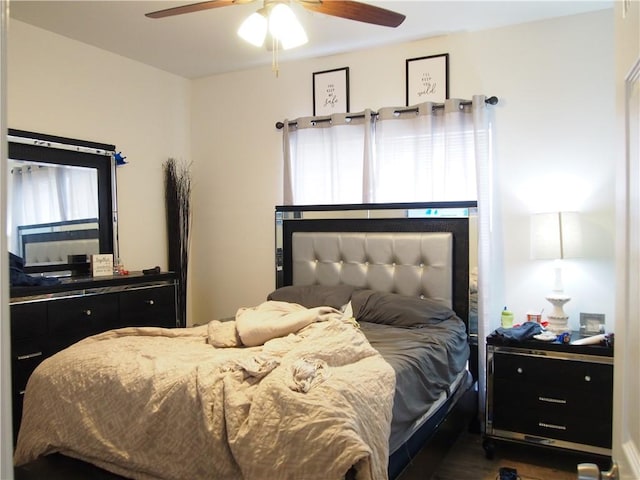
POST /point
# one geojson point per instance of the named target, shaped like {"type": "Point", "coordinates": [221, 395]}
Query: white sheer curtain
{"type": "Point", "coordinates": [425, 153]}
{"type": "Point", "coordinates": [45, 194]}
{"type": "Point", "coordinates": [35, 195]}
{"type": "Point", "coordinates": [490, 264]}
{"type": "Point", "coordinates": [326, 162]}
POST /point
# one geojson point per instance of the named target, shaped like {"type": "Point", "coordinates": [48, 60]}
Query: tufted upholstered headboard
{"type": "Point", "coordinates": [414, 264]}
{"type": "Point", "coordinates": [426, 257]}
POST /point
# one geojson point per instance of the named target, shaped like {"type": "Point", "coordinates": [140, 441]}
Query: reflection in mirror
{"type": "Point", "coordinates": [52, 203]}
{"type": "Point", "coordinates": [61, 202]}
{"type": "Point", "coordinates": [423, 210]}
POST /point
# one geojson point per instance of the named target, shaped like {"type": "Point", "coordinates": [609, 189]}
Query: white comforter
{"type": "Point", "coordinates": [152, 403]}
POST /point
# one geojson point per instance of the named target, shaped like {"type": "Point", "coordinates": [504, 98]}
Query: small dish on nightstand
{"type": "Point", "coordinates": [546, 337]}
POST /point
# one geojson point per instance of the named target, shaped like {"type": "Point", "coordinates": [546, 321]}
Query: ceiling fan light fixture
{"type": "Point", "coordinates": [285, 27]}
{"type": "Point", "coordinates": [254, 29]}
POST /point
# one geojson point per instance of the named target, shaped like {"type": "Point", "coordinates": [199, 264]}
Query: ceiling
{"type": "Point", "coordinates": [204, 43]}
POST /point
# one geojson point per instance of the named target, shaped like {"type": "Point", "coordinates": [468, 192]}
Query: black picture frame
{"type": "Point", "coordinates": [427, 79]}
{"type": "Point", "coordinates": [331, 91]}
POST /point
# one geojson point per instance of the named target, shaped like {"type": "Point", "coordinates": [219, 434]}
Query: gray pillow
{"type": "Point", "coordinates": [399, 310]}
{"type": "Point", "coordinates": [311, 296]}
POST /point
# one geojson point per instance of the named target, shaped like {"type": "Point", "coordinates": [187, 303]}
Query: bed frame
{"type": "Point", "coordinates": [386, 247]}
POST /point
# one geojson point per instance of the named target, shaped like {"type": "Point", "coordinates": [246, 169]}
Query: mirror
{"type": "Point", "coordinates": [61, 202]}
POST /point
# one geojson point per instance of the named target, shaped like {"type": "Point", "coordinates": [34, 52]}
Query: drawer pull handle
{"type": "Point", "coordinates": [552, 400]}
{"type": "Point", "coordinates": [149, 302]}
{"type": "Point", "coordinates": [552, 425]}
{"type": "Point", "coordinates": [587, 378]}
{"type": "Point", "coordinates": [519, 370]}
{"type": "Point", "coordinates": [87, 312]}
{"type": "Point", "coordinates": [29, 355]}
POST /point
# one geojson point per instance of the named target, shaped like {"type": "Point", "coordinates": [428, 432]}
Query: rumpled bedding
{"type": "Point", "coordinates": [271, 319]}
{"type": "Point", "coordinates": [153, 403]}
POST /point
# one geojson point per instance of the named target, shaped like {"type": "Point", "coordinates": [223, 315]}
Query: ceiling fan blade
{"type": "Point", "coordinates": [193, 7]}
{"type": "Point", "coordinates": [361, 12]}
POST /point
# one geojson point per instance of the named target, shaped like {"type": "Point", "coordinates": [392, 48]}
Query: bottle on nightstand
{"type": "Point", "coordinates": [506, 319]}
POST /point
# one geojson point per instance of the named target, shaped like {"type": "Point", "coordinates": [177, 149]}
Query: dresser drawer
{"type": "Point", "coordinates": [28, 320]}
{"type": "Point", "coordinates": [72, 319]}
{"type": "Point", "coordinates": [155, 306]}
{"type": "Point", "coordinates": [26, 355]}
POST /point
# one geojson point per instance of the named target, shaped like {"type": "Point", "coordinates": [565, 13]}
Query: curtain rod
{"type": "Point", "coordinates": [490, 100]}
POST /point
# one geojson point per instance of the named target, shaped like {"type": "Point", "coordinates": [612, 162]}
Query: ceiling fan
{"type": "Point", "coordinates": [277, 21]}
{"type": "Point", "coordinates": [351, 10]}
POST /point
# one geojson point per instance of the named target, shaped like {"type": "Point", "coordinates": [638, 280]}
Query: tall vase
{"type": "Point", "coordinates": [178, 206]}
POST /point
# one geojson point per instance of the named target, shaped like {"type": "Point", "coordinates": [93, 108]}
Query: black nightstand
{"type": "Point", "coordinates": [549, 394]}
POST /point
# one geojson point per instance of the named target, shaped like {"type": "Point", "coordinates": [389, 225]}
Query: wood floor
{"type": "Point", "coordinates": [466, 461]}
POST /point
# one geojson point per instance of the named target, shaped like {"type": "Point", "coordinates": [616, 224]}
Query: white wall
{"type": "Point", "coordinates": [554, 124]}
{"type": "Point", "coordinates": [62, 87]}
{"type": "Point", "coordinates": [554, 152]}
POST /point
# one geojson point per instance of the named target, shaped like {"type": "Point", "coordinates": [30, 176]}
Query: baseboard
{"type": "Point", "coordinates": [631, 460]}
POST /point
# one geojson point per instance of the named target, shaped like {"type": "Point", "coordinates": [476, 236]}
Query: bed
{"type": "Point", "coordinates": [245, 398]}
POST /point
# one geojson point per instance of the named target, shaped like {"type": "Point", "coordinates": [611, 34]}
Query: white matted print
{"type": "Point", "coordinates": [331, 92]}
{"type": "Point", "coordinates": [427, 79]}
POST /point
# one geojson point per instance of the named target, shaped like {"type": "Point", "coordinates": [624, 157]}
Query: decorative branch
{"type": "Point", "coordinates": [178, 205]}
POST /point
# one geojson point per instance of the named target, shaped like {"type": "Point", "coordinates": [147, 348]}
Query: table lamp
{"type": "Point", "coordinates": [556, 236]}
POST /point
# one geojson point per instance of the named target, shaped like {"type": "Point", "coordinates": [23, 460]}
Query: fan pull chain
{"type": "Point", "coordinates": [274, 58]}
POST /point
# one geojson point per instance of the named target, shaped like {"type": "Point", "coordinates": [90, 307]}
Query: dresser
{"type": "Point", "coordinates": [45, 320]}
{"type": "Point", "coordinates": [550, 394]}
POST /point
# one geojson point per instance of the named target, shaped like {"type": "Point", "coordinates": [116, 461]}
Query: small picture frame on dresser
{"type": "Point", "coordinates": [591, 324]}
{"type": "Point", "coordinates": [102, 265]}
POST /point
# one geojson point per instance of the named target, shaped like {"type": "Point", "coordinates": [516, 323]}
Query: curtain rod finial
{"type": "Point", "coordinates": [279, 125]}
{"type": "Point", "coordinates": [492, 100]}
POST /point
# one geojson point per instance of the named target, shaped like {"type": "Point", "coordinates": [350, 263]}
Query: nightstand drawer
{"type": "Point", "coordinates": [558, 424]}
{"type": "Point", "coordinates": [539, 370]}
{"type": "Point", "coordinates": [569, 399]}
{"type": "Point", "coordinates": [149, 307]}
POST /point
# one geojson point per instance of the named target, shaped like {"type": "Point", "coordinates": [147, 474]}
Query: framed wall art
{"type": "Point", "coordinates": [331, 92]}
{"type": "Point", "coordinates": [427, 79]}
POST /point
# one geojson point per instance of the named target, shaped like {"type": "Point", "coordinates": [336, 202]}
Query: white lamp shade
{"type": "Point", "coordinates": [285, 27]}
{"type": "Point", "coordinates": [556, 235]}
{"type": "Point", "coordinates": [254, 29]}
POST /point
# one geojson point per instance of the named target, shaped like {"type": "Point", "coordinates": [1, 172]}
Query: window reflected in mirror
{"type": "Point", "coordinates": [52, 203]}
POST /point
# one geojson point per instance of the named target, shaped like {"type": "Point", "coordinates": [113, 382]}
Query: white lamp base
{"type": "Point", "coordinates": [558, 320]}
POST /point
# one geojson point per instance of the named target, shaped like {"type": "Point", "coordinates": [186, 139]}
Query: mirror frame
{"type": "Point", "coordinates": [37, 147]}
